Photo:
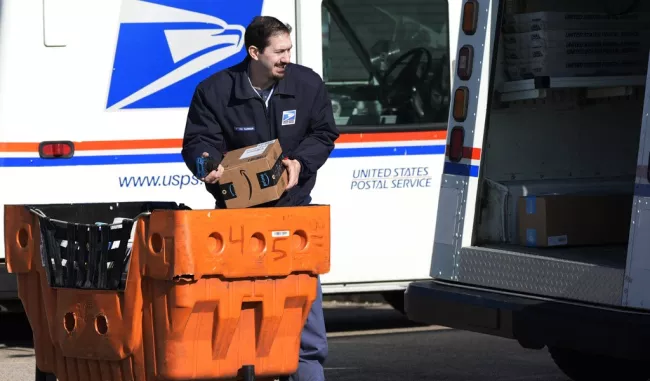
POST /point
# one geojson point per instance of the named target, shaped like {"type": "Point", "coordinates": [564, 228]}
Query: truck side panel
{"type": "Point", "coordinates": [116, 81]}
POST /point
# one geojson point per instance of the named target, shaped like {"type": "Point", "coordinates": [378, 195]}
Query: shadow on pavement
{"type": "Point", "coordinates": [339, 317]}
{"type": "Point", "coordinates": [15, 336]}
{"type": "Point", "coordinates": [353, 317]}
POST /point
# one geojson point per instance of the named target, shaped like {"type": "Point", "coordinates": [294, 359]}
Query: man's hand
{"type": "Point", "coordinates": [293, 168]}
{"type": "Point", "coordinates": [213, 176]}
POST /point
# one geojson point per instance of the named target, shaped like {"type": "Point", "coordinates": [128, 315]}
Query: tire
{"type": "Point", "coordinates": [42, 376]}
{"type": "Point", "coordinates": [580, 366]}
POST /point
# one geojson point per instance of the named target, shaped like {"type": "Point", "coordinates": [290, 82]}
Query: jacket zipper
{"type": "Point", "coordinates": [266, 115]}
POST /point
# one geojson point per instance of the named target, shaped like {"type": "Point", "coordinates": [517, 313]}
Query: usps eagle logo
{"type": "Point", "coordinates": [288, 117]}
{"type": "Point", "coordinates": [166, 47]}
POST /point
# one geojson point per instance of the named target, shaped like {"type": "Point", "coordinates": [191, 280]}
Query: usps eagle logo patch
{"type": "Point", "coordinates": [288, 117]}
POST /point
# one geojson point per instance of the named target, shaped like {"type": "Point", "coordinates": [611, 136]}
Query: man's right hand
{"type": "Point", "coordinates": [213, 176]}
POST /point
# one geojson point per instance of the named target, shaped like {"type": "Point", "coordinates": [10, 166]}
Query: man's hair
{"type": "Point", "coordinates": [261, 29]}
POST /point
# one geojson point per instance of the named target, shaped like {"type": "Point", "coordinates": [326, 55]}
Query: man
{"type": "Point", "coordinates": [263, 98]}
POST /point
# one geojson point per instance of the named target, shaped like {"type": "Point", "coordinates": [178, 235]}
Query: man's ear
{"type": "Point", "coordinates": [253, 52]}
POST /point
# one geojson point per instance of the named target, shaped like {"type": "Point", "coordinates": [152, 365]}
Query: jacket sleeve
{"type": "Point", "coordinates": [314, 150]}
{"type": "Point", "coordinates": [202, 131]}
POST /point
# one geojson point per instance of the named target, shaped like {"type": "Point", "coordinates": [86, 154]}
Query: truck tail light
{"type": "Point", "coordinates": [461, 97]}
{"type": "Point", "coordinates": [56, 150]}
{"type": "Point", "coordinates": [465, 62]}
{"type": "Point", "coordinates": [456, 142]}
{"type": "Point", "coordinates": [470, 17]}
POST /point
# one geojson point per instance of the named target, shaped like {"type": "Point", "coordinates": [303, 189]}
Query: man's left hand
{"type": "Point", "coordinates": [293, 169]}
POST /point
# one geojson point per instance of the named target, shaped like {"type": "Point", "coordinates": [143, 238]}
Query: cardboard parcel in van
{"type": "Point", "coordinates": [574, 219]}
{"type": "Point", "coordinates": [253, 175]}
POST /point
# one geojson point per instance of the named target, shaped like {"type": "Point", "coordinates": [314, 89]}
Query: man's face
{"type": "Point", "coordinates": [276, 55]}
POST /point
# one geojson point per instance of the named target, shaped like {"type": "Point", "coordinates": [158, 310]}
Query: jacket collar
{"type": "Point", "coordinates": [244, 90]}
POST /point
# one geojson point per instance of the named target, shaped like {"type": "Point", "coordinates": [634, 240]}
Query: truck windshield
{"type": "Point", "coordinates": [387, 63]}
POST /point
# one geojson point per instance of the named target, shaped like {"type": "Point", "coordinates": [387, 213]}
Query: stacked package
{"type": "Point", "coordinates": [563, 44]}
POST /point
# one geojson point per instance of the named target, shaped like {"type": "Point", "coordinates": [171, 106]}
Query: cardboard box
{"type": "Point", "coordinates": [578, 39]}
{"type": "Point", "coordinates": [253, 175]}
{"type": "Point", "coordinates": [575, 53]}
{"type": "Point", "coordinates": [575, 68]}
{"type": "Point", "coordinates": [570, 55]}
{"type": "Point", "coordinates": [544, 20]}
{"type": "Point", "coordinates": [574, 220]}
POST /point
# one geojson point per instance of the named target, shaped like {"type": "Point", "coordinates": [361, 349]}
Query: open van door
{"type": "Point", "coordinates": [467, 118]}
{"type": "Point", "coordinates": [636, 287]}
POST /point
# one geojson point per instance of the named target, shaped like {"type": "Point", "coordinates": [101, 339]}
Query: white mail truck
{"type": "Point", "coordinates": [94, 96]}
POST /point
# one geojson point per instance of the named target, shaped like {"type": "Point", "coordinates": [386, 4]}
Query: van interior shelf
{"type": "Point", "coordinates": [596, 87]}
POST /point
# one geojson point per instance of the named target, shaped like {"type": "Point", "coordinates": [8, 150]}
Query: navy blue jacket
{"type": "Point", "coordinates": [226, 113]}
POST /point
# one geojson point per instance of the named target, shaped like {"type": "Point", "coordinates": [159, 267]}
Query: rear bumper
{"type": "Point", "coordinates": [534, 323]}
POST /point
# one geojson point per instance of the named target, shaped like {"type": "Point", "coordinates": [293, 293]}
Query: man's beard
{"type": "Point", "coordinates": [277, 76]}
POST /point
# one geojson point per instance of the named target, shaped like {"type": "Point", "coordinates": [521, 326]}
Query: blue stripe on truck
{"type": "Point", "coordinates": [460, 169]}
{"type": "Point", "coordinates": [642, 190]}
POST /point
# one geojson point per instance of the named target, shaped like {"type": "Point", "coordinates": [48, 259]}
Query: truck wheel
{"type": "Point", "coordinates": [580, 366]}
{"type": "Point", "coordinates": [42, 376]}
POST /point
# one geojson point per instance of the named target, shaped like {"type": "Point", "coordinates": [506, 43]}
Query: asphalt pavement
{"type": "Point", "coordinates": [368, 342]}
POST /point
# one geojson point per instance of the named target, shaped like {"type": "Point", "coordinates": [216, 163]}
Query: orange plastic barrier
{"type": "Point", "coordinates": [208, 292]}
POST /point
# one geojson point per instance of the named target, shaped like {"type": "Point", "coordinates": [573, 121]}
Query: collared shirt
{"type": "Point", "coordinates": [265, 94]}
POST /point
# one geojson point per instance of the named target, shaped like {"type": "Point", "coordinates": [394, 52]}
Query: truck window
{"type": "Point", "coordinates": [386, 63]}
